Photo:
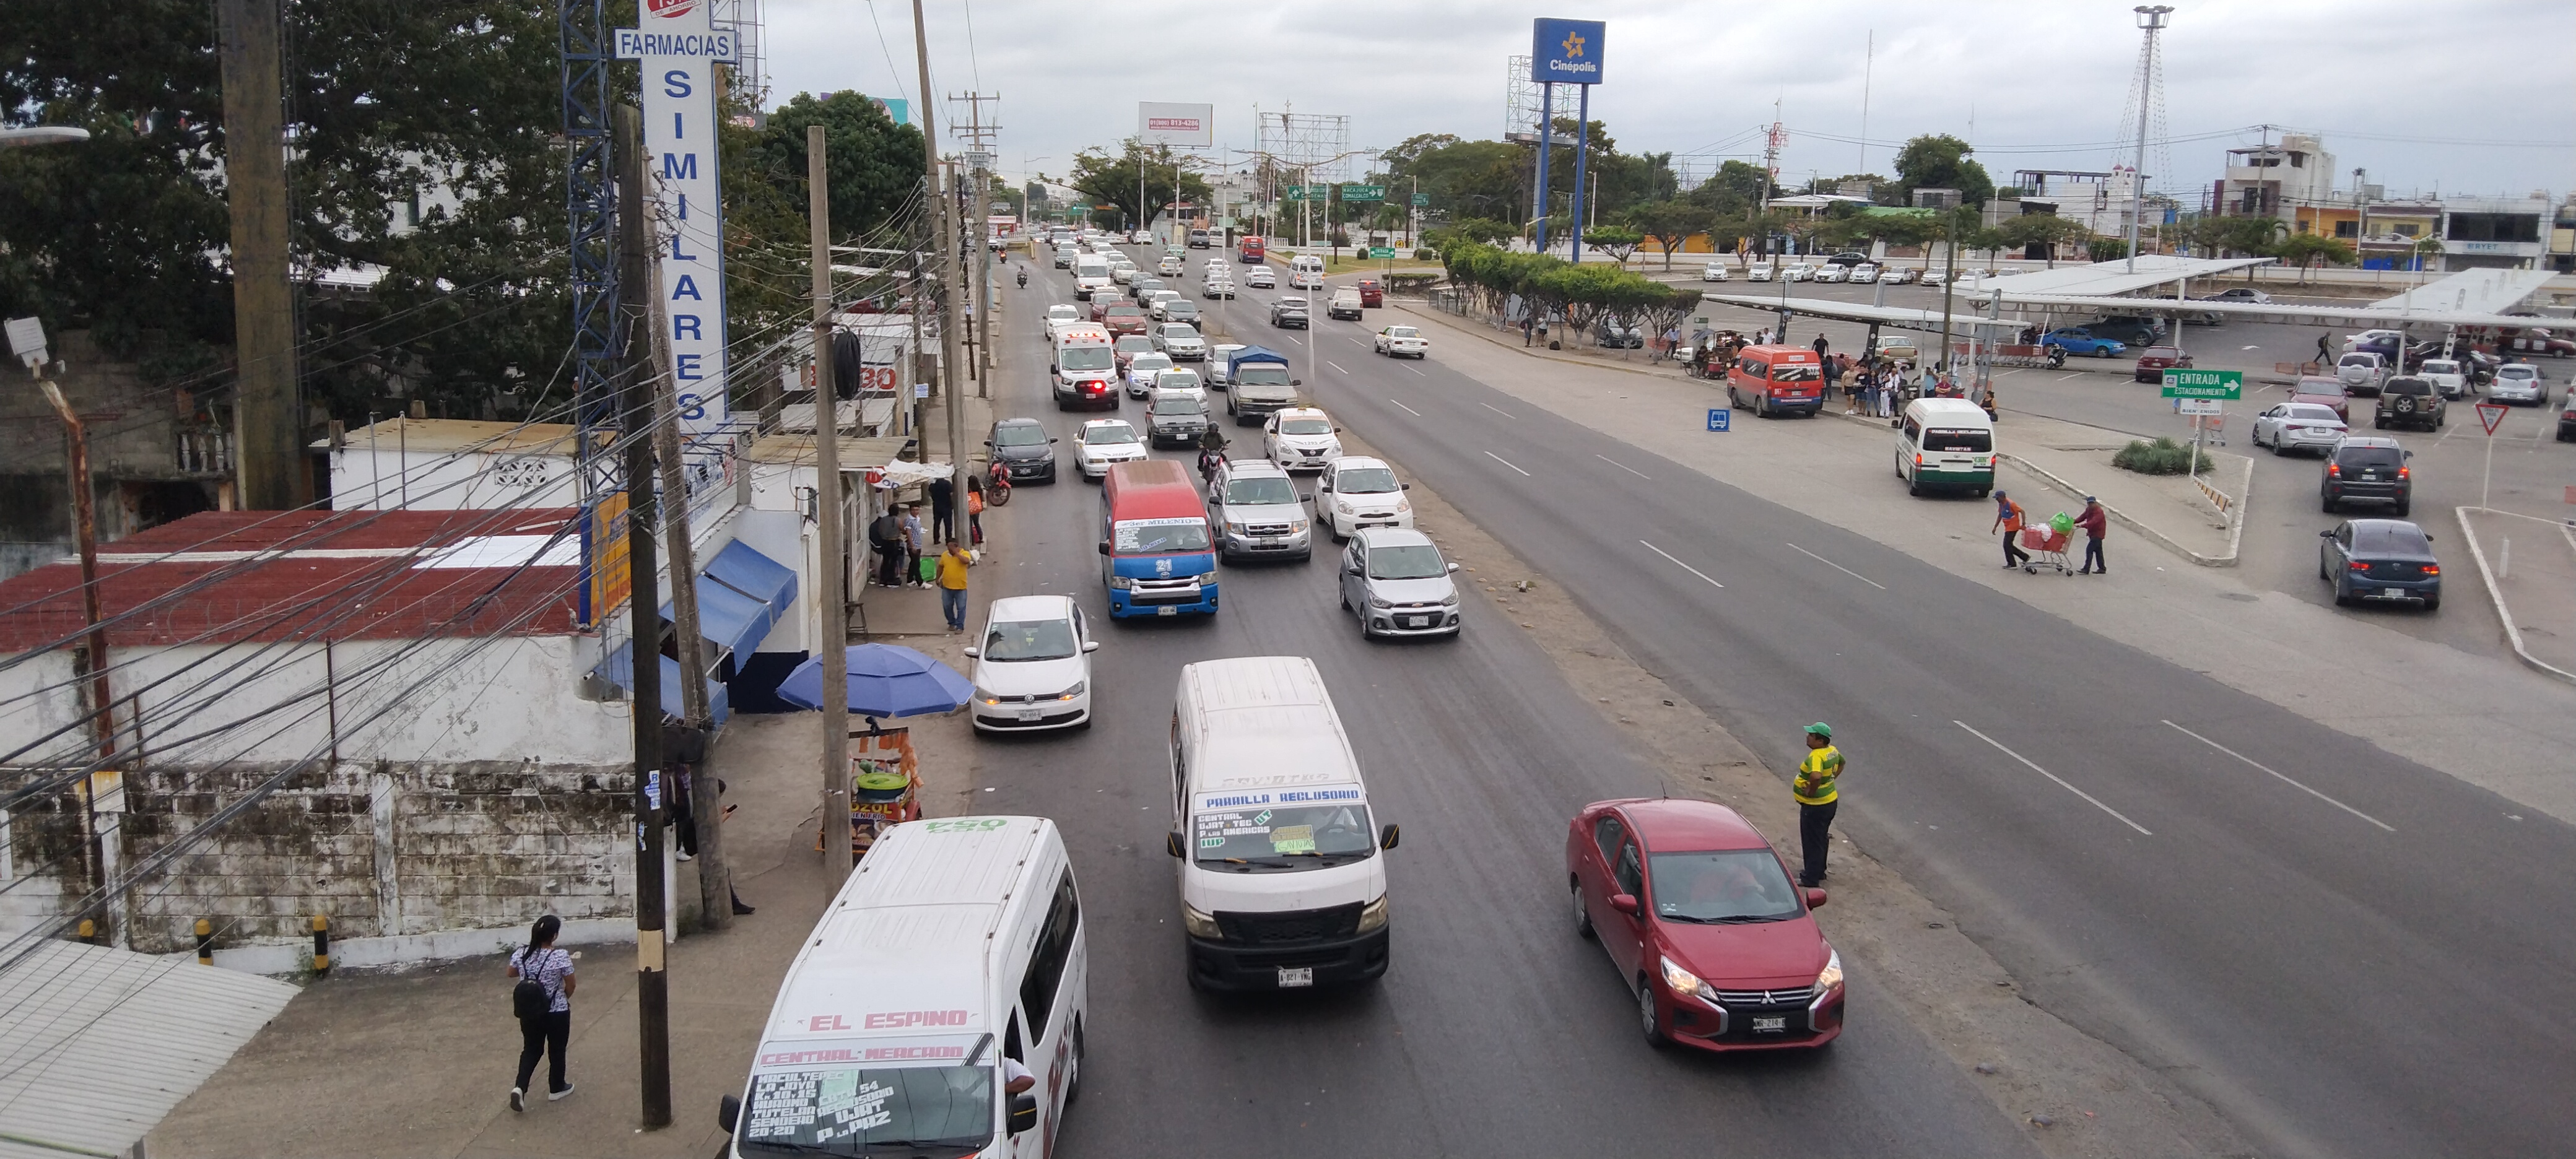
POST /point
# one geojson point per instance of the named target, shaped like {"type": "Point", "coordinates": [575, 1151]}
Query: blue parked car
{"type": "Point", "coordinates": [2078, 340]}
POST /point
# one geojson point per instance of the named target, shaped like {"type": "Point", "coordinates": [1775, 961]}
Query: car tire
{"type": "Point", "coordinates": [2403, 506]}
{"type": "Point", "coordinates": [2330, 506]}
{"type": "Point", "coordinates": [1582, 917]}
{"type": "Point", "coordinates": [2341, 600]}
{"type": "Point", "coordinates": [1650, 1020]}
{"type": "Point", "coordinates": [2432, 603]}
{"type": "Point", "coordinates": [2101, 352]}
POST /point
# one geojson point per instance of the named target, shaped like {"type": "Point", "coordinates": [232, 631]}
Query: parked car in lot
{"type": "Point", "coordinates": [1394, 580]}
{"type": "Point", "coordinates": [1864, 274]}
{"type": "Point", "coordinates": [1717, 946]}
{"type": "Point", "coordinates": [2078, 340]}
{"type": "Point", "coordinates": [2518, 382]}
{"type": "Point", "coordinates": [2409, 401]}
{"type": "Point", "coordinates": [1799, 272]}
{"type": "Point", "coordinates": [2129, 329]}
{"type": "Point", "coordinates": [1830, 272]}
{"type": "Point", "coordinates": [1614, 334]}
{"type": "Point", "coordinates": [2240, 294]}
{"type": "Point", "coordinates": [2567, 419]}
{"type": "Point", "coordinates": [1901, 276]}
{"type": "Point", "coordinates": [2368, 469]}
{"type": "Point", "coordinates": [1105, 441]}
{"type": "Point", "coordinates": [2299, 426]}
{"type": "Point", "coordinates": [1758, 272]}
{"type": "Point", "coordinates": [2537, 341]}
{"type": "Point", "coordinates": [1713, 272]}
{"type": "Point", "coordinates": [1355, 493]}
{"type": "Point", "coordinates": [1258, 513]}
{"type": "Point", "coordinates": [2324, 392]}
{"type": "Point", "coordinates": [2361, 372]}
{"type": "Point", "coordinates": [1847, 259]}
{"type": "Point", "coordinates": [1033, 665]}
{"type": "Point", "coordinates": [1932, 278]}
{"type": "Point", "coordinates": [2154, 361]}
{"type": "Point", "coordinates": [1023, 447]}
{"type": "Point", "coordinates": [2380, 560]}
{"type": "Point", "coordinates": [1402, 342]}
{"type": "Point", "coordinates": [2446, 375]}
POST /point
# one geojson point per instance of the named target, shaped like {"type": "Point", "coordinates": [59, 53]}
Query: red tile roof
{"type": "Point", "coordinates": [346, 575]}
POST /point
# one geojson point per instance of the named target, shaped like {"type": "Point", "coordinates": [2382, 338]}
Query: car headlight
{"type": "Point", "coordinates": [1342, 507]}
{"type": "Point", "coordinates": [1450, 601]}
{"type": "Point", "coordinates": [1401, 507]}
{"type": "Point", "coordinates": [1199, 925]}
{"type": "Point", "coordinates": [1072, 692]}
{"type": "Point", "coordinates": [1832, 975]}
{"type": "Point", "coordinates": [987, 695]}
{"type": "Point", "coordinates": [1297, 527]}
{"type": "Point", "coordinates": [1687, 984]}
{"type": "Point", "coordinates": [1373, 915]}
{"type": "Point", "coordinates": [1379, 602]}
{"type": "Point", "coordinates": [1233, 528]}
{"type": "Point", "coordinates": [1120, 583]}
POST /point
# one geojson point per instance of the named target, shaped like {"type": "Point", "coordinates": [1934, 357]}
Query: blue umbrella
{"type": "Point", "coordinates": [886, 680]}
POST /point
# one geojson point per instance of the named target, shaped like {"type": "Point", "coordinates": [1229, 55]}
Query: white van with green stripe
{"type": "Point", "coordinates": [1945, 444]}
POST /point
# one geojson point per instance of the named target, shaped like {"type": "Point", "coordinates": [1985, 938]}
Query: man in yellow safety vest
{"type": "Point", "coordinates": [1814, 788]}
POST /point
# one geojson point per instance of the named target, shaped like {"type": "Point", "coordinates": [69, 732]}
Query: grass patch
{"type": "Point", "coordinates": [2161, 457]}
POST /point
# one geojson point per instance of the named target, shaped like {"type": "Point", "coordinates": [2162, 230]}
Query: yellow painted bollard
{"type": "Point", "coordinates": [205, 942]}
{"type": "Point", "coordinates": [321, 944]}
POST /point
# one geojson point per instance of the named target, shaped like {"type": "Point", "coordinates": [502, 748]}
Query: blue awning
{"type": "Point", "coordinates": [742, 595]}
{"type": "Point", "coordinates": [755, 575]}
{"type": "Point", "coordinates": [621, 669]}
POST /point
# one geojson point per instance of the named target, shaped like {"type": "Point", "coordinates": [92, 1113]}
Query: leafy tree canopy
{"type": "Point", "coordinates": [1111, 179]}
{"type": "Point", "coordinates": [1940, 161]}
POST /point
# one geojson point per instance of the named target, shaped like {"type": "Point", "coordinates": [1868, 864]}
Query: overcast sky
{"type": "Point", "coordinates": [2461, 97]}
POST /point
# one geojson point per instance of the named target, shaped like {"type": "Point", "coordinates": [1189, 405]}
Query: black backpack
{"type": "Point", "coordinates": [529, 999]}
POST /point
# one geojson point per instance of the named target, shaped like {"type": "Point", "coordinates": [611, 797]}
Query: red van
{"type": "Point", "coordinates": [1249, 251]}
{"type": "Point", "coordinates": [1772, 380]}
{"type": "Point", "coordinates": [1158, 556]}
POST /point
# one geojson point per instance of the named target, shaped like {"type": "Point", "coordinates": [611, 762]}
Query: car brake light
{"type": "Point", "coordinates": [2358, 565]}
{"type": "Point", "coordinates": [1918, 460]}
{"type": "Point", "coordinates": [2432, 569]}
{"type": "Point", "coordinates": [2334, 469]}
{"type": "Point", "coordinates": [2403, 472]}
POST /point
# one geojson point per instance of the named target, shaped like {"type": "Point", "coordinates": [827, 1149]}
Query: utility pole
{"type": "Point", "coordinates": [644, 612]}
{"type": "Point", "coordinates": [981, 163]}
{"type": "Point", "coordinates": [265, 418]}
{"type": "Point", "coordinates": [947, 237]}
{"type": "Point", "coordinates": [835, 570]}
{"type": "Point", "coordinates": [715, 899]}
{"type": "Point", "coordinates": [92, 657]}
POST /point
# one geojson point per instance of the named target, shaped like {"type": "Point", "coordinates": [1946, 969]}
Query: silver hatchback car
{"type": "Point", "coordinates": [1395, 581]}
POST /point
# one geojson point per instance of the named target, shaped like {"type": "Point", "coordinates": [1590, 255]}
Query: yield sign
{"type": "Point", "coordinates": [2491, 413]}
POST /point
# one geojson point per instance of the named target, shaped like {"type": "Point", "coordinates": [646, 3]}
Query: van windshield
{"type": "Point", "coordinates": [1977, 441]}
{"type": "Point", "coordinates": [1084, 358]}
{"type": "Point", "coordinates": [856, 1111]}
{"type": "Point", "coordinates": [1159, 536]}
{"type": "Point", "coordinates": [1271, 838]}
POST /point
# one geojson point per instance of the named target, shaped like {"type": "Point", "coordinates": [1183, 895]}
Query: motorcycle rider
{"type": "Point", "coordinates": [1211, 455]}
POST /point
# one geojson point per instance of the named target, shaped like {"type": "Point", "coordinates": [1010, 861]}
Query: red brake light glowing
{"type": "Point", "coordinates": [2358, 565]}
{"type": "Point", "coordinates": [2432, 569]}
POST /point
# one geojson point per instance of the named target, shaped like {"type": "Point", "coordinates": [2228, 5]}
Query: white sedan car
{"type": "Point", "coordinates": [1801, 272]}
{"type": "Point", "coordinates": [1864, 274]}
{"type": "Point", "coordinates": [1141, 371]}
{"type": "Point", "coordinates": [1217, 288]}
{"type": "Point", "coordinates": [1356, 492]}
{"type": "Point", "coordinates": [1834, 273]}
{"type": "Point", "coordinates": [1758, 272]}
{"type": "Point", "coordinates": [1169, 267]}
{"type": "Point", "coordinates": [2300, 426]}
{"type": "Point", "coordinates": [1713, 272]}
{"type": "Point", "coordinates": [1033, 666]}
{"type": "Point", "coordinates": [2518, 382]}
{"type": "Point", "coordinates": [1260, 278]}
{"type": "Point", "coordinates": [1900, 276]}
{"type": "Point", "coordinates": [1300, 439]}
{"type": "Point", "coordinates": [1106, 441]}
{"type": "Point", "coordinates": [1062, 315]}
{"type": "Point", "coordinates": [1402, 342]}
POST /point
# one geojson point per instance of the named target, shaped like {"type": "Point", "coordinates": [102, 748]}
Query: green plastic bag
{"type": "Point", "coordinates": [930, 566]}
{"type": "Point", "coordinates": [2063, 522]}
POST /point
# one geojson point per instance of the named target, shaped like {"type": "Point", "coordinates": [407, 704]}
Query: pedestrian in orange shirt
{"type": "Point", "coordinates": [2008, 515]}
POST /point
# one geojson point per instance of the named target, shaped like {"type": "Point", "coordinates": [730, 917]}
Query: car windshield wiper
{"type": "Point", "coordinates": [802, 1148]}
{"type": "Point", "coordinates": [1729, 920]}
{"type": "Point", "coordinates": [1265, 862]}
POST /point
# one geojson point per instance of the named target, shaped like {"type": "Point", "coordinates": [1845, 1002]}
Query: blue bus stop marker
{"type": "Point", "coordinates": [1718, 417]}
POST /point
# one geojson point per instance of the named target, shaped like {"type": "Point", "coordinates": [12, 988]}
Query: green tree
{"type": "Point", "coordinates": [1940, 161]}
{"type": "Point", "coordinates": [2043, 229]}
{"type": "Point", "coordinates": [1736, 189]}
{"type": "Point", "coordinates": [1670, 223]}
{"type": "Point", "coordinates": [1111, 179]}
{"type": "Point", "coordinates": [2307, 249]}
{"type": "Point", "coordinates": [1616, 241]}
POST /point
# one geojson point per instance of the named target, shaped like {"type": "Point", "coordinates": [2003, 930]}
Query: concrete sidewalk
{"type": "Point", "coordinates": [2526, 570]}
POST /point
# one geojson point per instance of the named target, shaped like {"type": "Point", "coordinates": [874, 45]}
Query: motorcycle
{"type": "Point", "coordinates": [997, 485]}
{"type": "Point", "coordinates": [1024, 279]}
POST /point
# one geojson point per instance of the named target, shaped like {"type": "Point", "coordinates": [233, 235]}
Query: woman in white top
{"type": "Point", "coordinates": [540, 962]}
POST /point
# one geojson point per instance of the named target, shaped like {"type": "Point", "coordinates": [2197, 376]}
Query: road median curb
{"type": "Point", "coordinates": [2495, 595]}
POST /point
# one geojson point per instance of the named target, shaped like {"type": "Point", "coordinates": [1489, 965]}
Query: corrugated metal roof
{"type": "Point", "coordinates": [313, 575]}
{"type": "Point", "coordinates": [445, 436]}
{"type": "Point", "coordinates": [98, 1044]}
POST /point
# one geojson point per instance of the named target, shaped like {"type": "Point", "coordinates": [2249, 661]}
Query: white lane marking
{"type": "Point", "coordinates": [1623, 466]}
{"type": "Point", "coordinates": [1417, 372]}
{"type": "Point", "coordinates": [1505, 462]}
{"type": "Point", "coordinates": [2006, 374]}
{"type": "Point", "coordinates": [1683, 566]}
{"type": "Point", "coordinates": [1837, 567]}
{"type": "Point", "coordinates": [2240, 347]}
{"type": "Point", "coordinates": [2284, 780]}
{"type": "Point", "coordinates": [2061, 782]}
{"type": "Point", "coordinates": [1410, 410]}
{"type": "Point", "coordinates": [1372, 343]}
{"type": "Point", "coordinates": [2060, 378]}
{"type": "Point", "coordinates": [1338, 366]}
{"type": "Point", "coordinates": [1500, 411]}
{"type": "Point", "coordinates": [1300, 341]}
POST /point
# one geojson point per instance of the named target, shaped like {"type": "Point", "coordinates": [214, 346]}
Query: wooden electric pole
{"type": "Point", "coordinates": [269, 462]}
{"type": "Point", "coordinates": [943, 234]}
{"type": "Point", "coordinates": [644, 612]}
{"type": "Point", "coordinates": [834, 570]}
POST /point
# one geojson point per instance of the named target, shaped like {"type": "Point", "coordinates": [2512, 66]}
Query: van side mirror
{"type": "Point", "coordinates": [728, 1112]}
{"type": "Point", "coordinates": [1815, 897]}
{"type": "Point", "coordinates": [1296, 382]}
{"type": "Point", "coordinates": [1104, 547]}
{"type": "Point", "coordinates": [1024, 1112]}
{"type": "Point", "coordinates": [1625, 903]}
{"type": "Point", "coordinates": [1453, 567]}
{"type": "Point", "coordinates": [971, 653]}
{"type": "Point", "coordinates": [1388, 836]}
{"type": "Point", "coordinates": [1172, 844]}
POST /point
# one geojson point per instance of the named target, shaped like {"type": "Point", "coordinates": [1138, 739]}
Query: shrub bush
{"type": "Point", "coordinates": [1426, 254]}
{"type": "Point", "coordinates": [2161, 457]}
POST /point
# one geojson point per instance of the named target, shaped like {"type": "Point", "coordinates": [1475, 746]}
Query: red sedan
{"type": "Point", "coordinates": [2324, 392]}
{"type": "Point", "coordinates": [1701, 919]}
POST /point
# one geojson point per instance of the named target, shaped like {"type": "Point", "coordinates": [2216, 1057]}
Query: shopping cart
{"type": "Point", "coordinates": [2047, 548]}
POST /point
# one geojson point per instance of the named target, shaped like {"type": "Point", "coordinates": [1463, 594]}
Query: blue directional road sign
{"type": "Point", "coordinates": [1565, 51]}
{"type": "Point", "coordinates": [1718, 417]}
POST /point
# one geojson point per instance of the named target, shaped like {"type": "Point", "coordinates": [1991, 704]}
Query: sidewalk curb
{"type": "Point", "coordinates": [2235, 535]}
{"type": "Point", "coordinates": [2495, 595]}
{"type": "Point", "coordinates": [1444, 318]}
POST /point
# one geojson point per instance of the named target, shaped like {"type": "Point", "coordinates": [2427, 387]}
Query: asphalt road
{"type": "Point", "coordinates": [1497, 1031]}
{"type": "Point", "coordinates": [2347, 953]}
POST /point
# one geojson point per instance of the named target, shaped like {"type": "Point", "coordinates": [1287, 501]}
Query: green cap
{"type": "Point", "coordinates": [1821, 729]}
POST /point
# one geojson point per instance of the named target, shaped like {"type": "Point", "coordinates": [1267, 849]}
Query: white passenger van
{"type": "Point", "coordinates": [1281, 883]}
{"type": "Point", "coordinates": [1305, 270]}
{"type": "Point", "coordinates": [1945, 444]}
{"type": "Point", "coordinates": [956, 944]}
{"type": "Point", "coordinates": [1091, 275]}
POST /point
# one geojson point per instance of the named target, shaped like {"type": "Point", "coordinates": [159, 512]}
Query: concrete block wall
{"type": "Point", "coordinates": [383, 849]}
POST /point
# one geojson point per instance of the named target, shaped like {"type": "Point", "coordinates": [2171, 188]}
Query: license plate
{"type": "Point", "coordinates": [1296, 976]}
{"type": "Point", "coordinates": [1417, 621]}
{"type": "Point", "coordinates": [1028, 714]}
{"type": "Point", "coordinates": [2393, 593]}
{"type": "Point", "coordinates": [1167, 611]}
{"type": "Point", "coordinates": [1771, 1025]}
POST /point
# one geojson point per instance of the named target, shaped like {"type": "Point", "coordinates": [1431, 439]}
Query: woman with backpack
{"type": "Point", "coordinates": [543, 1002]}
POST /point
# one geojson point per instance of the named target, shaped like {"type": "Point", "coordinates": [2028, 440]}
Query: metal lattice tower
{"type": "Point", "coordinates": [1316, 143]}
{"type": "Point", "coordinates": [751, 77]}
{"type": "Point", "coordinates": [590, 195]}
{"type": "Point", "coordinates": [2147, 87]}
{"type": "Point", "coordinates": [1522, 104]}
